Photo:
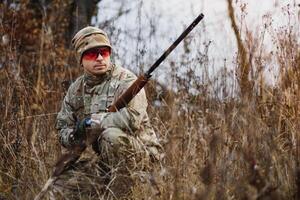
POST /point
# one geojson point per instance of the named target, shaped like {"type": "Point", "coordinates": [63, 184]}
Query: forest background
{"type": "Point", "coordinates": [228, 117]}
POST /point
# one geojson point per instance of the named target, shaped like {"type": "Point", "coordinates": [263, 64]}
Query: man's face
{"type": "Point", "coordinates": [96, 61]}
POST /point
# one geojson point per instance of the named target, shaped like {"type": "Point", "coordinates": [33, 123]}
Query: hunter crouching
{"type": "Point", "coordinates": [125, 141]}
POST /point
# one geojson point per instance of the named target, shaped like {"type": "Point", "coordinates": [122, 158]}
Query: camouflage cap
{"type": "Point", "coordinates": [88, 38]}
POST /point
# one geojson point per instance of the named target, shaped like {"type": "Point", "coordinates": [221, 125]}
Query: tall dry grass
{"type": "Point", "coordinates": [215, 148]}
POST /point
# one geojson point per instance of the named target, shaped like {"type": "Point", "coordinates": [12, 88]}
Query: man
{"type": "Point", "coordinates": [125, 139]}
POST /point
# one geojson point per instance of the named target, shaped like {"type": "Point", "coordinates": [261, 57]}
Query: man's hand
{"type": "Point", "coordinates": [79, 133]}
{"type": "Point", "coordinates": [96, 119]}
{"type": "Point", "coordinates": [81, 126]}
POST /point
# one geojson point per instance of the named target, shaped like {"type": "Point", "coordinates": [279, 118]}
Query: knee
{"type": "Point", "coordinates": [112, 136]}
{"type": "Point", "coordinates": [116, 146]}
{"type": "Point", "coordinates": [111, 144]}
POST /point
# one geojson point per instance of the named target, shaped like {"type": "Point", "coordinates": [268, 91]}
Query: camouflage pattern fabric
{"type": "Point", "coordinates": [88, 38]}
{"type": "Point", "coordinates": [108, 174]}
{"type": "Point", "coordinates": [126, 142]}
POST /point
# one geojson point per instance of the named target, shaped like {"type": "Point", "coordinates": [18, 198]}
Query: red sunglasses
{"type": "Point", "coordinates": [93, 54]}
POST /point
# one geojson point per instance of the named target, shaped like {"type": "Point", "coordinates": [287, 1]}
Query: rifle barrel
{"type": "Point", "coordinates": [174, 45]}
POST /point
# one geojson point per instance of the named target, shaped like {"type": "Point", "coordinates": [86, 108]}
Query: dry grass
{"type": "Point", "coordinates": [215, 148]}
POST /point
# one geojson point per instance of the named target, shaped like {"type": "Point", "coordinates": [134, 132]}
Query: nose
{"type": "Point", "coordinates": [99, 57]}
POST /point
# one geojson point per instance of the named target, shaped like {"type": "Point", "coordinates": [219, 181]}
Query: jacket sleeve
{"type": "Point", "coordinates": [66, 121]}
{"type": "Point", "coordinates": [131, 117]}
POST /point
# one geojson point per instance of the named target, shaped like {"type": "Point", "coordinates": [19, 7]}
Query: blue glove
{"type": "Point", "coordinates": [81, 126]}
{"type": "Point", "coordinates": [79, 133]}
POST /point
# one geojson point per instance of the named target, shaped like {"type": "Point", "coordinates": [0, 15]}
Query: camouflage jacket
{"type": "Point", "coordinates": [87, 96]}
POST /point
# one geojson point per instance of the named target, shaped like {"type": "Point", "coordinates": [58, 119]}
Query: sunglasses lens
{"type": "Point", "coordinates": [90, 55]}
{"type": "Point", "coordinates": [93, 53]}
{"type": "Point", "coordinates": [105, 52]}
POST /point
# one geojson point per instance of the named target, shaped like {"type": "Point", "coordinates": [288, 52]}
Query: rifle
{"type": "Point", "coordinates": [68, 159]}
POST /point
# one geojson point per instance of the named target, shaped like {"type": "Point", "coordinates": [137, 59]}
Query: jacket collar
{"type": "Point", "coordinates": [92, 80]}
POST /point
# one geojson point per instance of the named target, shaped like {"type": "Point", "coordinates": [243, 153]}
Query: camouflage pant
{"type": "Point", "coordinates": [107, 174]}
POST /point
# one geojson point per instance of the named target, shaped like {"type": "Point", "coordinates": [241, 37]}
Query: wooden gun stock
{"type": "Point", "coordinates": [129, 94]}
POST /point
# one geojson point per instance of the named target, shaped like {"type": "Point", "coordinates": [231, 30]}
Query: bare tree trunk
{"type": "Point", "coordinates": [77, 13]}
{"type": "Point", "coordinates": [82, 12]}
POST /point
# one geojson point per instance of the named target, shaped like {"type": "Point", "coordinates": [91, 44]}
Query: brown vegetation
{"type": "Point", "coordinates": [215, 148]}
